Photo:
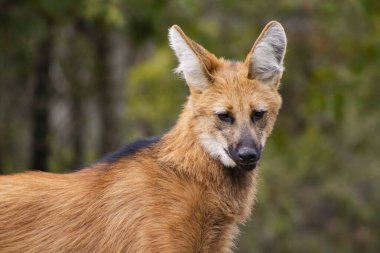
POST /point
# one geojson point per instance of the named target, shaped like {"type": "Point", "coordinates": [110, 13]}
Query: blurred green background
{"type": "Point", "coordinates": [78, 78]}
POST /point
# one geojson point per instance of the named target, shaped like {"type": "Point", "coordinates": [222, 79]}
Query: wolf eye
{"type": "Point", "coordinates": [226, 117]}
{"type": "Point", "coordinates": [257, 115]}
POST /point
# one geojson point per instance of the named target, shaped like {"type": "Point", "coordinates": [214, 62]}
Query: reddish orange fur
{"type": "Point", "coordinates": [170, 197]}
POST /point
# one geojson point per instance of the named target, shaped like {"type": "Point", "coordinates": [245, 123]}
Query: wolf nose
{"type": "Point", "coordinates": [248, 155]}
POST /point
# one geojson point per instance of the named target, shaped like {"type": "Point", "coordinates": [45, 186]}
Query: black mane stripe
{"type": "Point", "coordinates": [130, 149]}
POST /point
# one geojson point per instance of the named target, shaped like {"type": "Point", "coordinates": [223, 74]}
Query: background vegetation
{"type": "Point", "coordinates": [78, 78]}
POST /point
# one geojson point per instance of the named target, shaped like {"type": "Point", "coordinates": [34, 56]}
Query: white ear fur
{"type": "Point", "coordinates": [267, 59]}
{"type": "Point", "coordinates": [189, 64]}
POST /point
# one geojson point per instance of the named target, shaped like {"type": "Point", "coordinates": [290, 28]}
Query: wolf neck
{"type": "Point", "coordinates": [181, 151]}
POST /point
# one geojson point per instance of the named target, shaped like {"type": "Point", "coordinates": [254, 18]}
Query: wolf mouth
{"type": "Point", "coordinates": [248, 167]}
{"type": "Point", "coordinates": [244, 166]}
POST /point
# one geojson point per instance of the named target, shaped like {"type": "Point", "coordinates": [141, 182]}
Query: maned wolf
{"type": "Point", "coordinates": [184, 192]}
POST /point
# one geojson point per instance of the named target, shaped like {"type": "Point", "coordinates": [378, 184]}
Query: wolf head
{"type": "Point", "coordinates": [233, 104]}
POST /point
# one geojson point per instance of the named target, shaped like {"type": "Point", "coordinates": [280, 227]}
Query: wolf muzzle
{"type": "Point", "coordinates": [246, 156]}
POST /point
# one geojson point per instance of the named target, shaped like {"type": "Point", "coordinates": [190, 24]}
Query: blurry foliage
{"type": "Point", "coordinates": [318, 187]}
{"type": "Point", "coordinates": [110, 12]}
{"type": "Point", "coordinates": [152, 81]}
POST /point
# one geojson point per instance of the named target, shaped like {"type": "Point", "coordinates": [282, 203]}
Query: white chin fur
{"type": "Point", "coordinates": [216, 150]}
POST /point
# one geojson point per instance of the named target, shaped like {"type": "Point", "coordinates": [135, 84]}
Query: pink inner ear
{"type": "Point", "coordinates": [195, 62]}
{"type": "Point", "coordinates": [265, 61]}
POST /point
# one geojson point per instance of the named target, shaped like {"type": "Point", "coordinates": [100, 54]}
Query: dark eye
{"type": "Point", "coordinates": [226, 117]}
{"type": "Point", "coordinates": [257, 115]}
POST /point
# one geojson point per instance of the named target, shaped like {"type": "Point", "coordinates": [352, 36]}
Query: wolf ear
{"type": "Point", "coordinates": [266, 58]}
{"type": "Point", "coordinates": [196, 64]}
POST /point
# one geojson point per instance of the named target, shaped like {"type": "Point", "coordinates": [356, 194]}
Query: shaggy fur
{"type": "Point", "coordinates": [179, 193]}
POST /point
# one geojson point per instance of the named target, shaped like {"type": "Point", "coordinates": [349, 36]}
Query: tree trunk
{"type": "Point", "coordinates": [78, 124]}
{"type": "Point", "coordinates": [40, 105]}
{"type": "Point", "coordinates": [113, 56]}
{"type": "Point", "coordinates": [105, 95]}
{"type": "Point", "coordinates": [1, 157]}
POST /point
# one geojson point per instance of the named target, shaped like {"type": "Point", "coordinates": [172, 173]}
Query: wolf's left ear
{"type": "Point", "coordinates": [266, 58]}
{"type": "Point", "coordinates": [195, 62]}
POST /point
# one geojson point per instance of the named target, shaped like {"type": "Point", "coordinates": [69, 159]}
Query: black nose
{"type": "Point", "coordinates": [248, 155]}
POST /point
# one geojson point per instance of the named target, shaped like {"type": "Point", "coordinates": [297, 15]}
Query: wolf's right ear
{"type": "Point", "coordinates": [196, 64]}
{"type": "Point", "coordinates": [266, 59]}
